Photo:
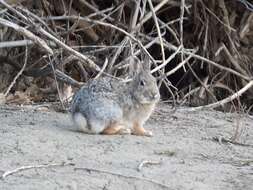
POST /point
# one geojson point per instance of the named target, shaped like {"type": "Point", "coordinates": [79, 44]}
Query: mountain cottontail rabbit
{"type": "Point", "coordinates": [109, 106]}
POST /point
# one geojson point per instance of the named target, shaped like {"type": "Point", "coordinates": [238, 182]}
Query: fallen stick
{"type": "Point", "coordinates": [225, 100]}
{"type": "Point", "coordinates": [124, 176]}
{"type": "Point", "coordinates": [23, 168]}
{"type": "Point", "coordinates": [147, 162]}
{"type": "Point", "coordinates": [223, 140]}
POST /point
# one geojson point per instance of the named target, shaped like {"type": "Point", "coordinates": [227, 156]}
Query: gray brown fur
{"type": "Point", "coordinates": [106, 101]}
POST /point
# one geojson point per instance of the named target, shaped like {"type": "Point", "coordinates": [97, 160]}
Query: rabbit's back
{"type": "Point", "coordinates": [98, 103]}
{"type": "Point", "coordinates": [95, 91]}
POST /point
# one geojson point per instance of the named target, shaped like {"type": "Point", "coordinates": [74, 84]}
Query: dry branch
{"type": "Point", "coordinates": [158, 29]}
{"type": "Point", "coordinates": [82, 57]}
{"type": "Point", "coordinates": [87, 31]}
{"type": "Point", "coordinates": [107, 25]}
{"type": "Point", "coordinates": [18, 75]}
{"type": "Point", "coordinates": [40, 42]}
{"type": "Point", "coordinates": [23, 168]}
{"type": "Point", "coordinates": [226, 100]}
{"type": "Point", "coordinates": [124, 176]}
{"type": "Point", "coordinates": [16, 43]}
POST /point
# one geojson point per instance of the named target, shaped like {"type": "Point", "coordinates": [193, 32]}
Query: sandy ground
{"type": "Point", "coordinates": [181, 155]}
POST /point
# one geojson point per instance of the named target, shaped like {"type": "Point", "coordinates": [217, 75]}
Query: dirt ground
{"type": "Point", "coordinates": [181, 155]}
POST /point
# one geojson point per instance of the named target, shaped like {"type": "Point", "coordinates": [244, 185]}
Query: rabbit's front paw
{"type": "Point", "coordinates": [125, 131]}
{"type": "Point", "coordinates": [142, 133]}
{"type": "Point", "coordinates": [148, 133]}
{"type": "Point", "coordinates": [139, 130]}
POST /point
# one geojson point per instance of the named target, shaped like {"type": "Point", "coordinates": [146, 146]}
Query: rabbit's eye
{"type": "Point", "coordinates": [142, 83]}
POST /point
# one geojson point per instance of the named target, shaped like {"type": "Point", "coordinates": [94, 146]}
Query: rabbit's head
{"type": "Point", "coordinates": [145, 89]}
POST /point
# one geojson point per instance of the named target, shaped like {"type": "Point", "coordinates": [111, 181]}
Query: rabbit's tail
{"type": "Point", "coordinates": [80, 122]}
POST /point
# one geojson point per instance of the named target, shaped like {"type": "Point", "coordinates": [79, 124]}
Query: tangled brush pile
{"type": "Point", "coordinates": [201, 51]}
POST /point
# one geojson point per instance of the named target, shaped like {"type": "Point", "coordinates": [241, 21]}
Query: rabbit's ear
{"type": "Point", "coordinates": [135, 66]}
{"type": "Point", "coordinates": [146, 64]}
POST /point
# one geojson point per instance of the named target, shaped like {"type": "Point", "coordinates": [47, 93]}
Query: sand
{"type": "Point", "coordinates": [181, 155]}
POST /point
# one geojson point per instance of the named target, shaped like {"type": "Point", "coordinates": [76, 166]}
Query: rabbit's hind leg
{"type": "Point", "coordinates": [140, 131]}
{"type": "Point", "coordinates": [80, 123]}
{"type": "Point", "coordinates": [116, 128]}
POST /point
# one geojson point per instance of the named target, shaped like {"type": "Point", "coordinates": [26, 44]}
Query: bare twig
{"type": "Point", "coordinates": [149, 15]}
{"type": "Point", "coordinates": [23, 168]}
{"type": "Point", "coordinates": [181, 27]}
{"type": "Point", "coordinates": [67, 79]}
{"type": "Point", "coordinates": [220, 21]}
{"type": "Point", "coordinates": [29, 13]}
{"type": "Point", "coordinates": [56, 82]}
{"type": "Point", "coordinates": [226, 100]}
{"type": "Point", "coordinates": [107, 25]}
{"type": "Point", "coordinates": [158, 29]}
{"type": "Point", "coordinates": [223, 140]}
{"type": "Point", "coordinates": [210, 62]}
{"type": "Point", "coordinates": [41, 42]}
{"type": "Point", "coordinates": [147, 162]}
{"type": "Point", "coordinates": [18, 75]}
{"type": "Point", "coordinates": [82, 57]}
{"type": "Point", "coordinates": [124, 176]}
{"type": "Point", "coordinates": [16, 43]}
{"type": "Point", "coordinates": [172, 56]}
{"type": "Point", "coordinates": [28, 34]}
{"type": "Point", "coordinates": [180, 65]}
{"type": "Point", "coordinates": [14, 10]}
{"type": "Point", "coordinates": [202, 83]}
{"type": "Point", "coordinates": [102, 70]}
{"type": "Point", "coordinates": [233, 60]}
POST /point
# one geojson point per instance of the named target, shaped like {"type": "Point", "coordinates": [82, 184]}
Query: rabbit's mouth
{"type": "Point", "coordinates": [150, 99]}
